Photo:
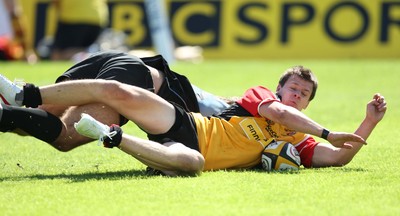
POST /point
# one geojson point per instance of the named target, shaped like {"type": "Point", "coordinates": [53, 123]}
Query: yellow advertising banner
{"type": "Point", "coordinates": [263, 29]}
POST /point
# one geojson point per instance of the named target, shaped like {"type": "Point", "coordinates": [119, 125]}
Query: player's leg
{"type": "Point", "coordinates": [68, 43]}
{"type": "Point", "coordinates": [209, 104]}
{"type": "Point", "coordinates": [56, 110]}
{"type": "Point", "coordinates": [43, 123]}
{"type": "Point", "coordinates": [35, 122]}
{"type": "Point", "coordinates": [146, 109]}
{"type": "Point", "coordinates": [69, 138]}
{"type": "Point", "coordinates": [149, 111]}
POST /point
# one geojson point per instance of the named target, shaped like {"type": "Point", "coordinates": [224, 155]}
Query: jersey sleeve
{"type": "Point", "coordinates": [254, 97]}
{"type": "Point", "coordinates": [306, 151]}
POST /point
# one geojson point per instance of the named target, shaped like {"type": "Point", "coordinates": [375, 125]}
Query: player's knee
{"type": "Point", "coordinates": [62, 147]}
{"type": "Point", "coordinates": [112, 91]}
{"type": "Point", "coordinates": [66, 144]}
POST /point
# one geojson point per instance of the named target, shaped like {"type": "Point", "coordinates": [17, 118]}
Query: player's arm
{"type": "Point", "coordinates": [327, 155]}
{"type": "Point", "coordinates": [298, 121]}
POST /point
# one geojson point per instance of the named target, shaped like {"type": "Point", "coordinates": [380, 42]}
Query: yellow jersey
{"type": "Point", "coordinates": [236, 138]}
{"type": "Point", "coordinates": [83, 11]}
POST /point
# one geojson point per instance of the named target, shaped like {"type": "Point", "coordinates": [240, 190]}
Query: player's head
{"type": "Point", "coordinates": [297, 87]}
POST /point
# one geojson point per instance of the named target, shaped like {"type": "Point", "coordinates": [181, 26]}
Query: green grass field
{"type": "Point", "coordinates": [35, 179]}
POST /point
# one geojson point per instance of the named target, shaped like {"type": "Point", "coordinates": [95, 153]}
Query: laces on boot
{"type": "Point", "coordinates": [19, 82]}
{"type": "Point", "coordinates": [114, 138]}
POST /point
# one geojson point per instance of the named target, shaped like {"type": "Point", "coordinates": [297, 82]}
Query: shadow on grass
{"type": "Point", "coordinates": [324, 169]}
{"type": "Point", "coordinates": [260, 170]}
{"type": "Point", "coordinates": [337, 170]}
{"type": "Point", "coordinates": [349, 169]}
{"type": "Point", "coordinates": [82, 177]}
{"type": "Point", "coordinates": [142, 174]}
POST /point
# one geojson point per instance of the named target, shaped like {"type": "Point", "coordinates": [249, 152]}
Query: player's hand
{"type": "Point", "coordinates": [340, 139]}
{"type": "Point", "coordinates": [376, 108]}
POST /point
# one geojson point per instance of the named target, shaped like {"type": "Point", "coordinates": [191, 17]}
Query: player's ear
{"type": "Point", "coordinates": [278, 87]}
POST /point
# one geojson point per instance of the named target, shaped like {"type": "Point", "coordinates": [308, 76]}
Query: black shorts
{"type": "Point", "coordinates": [117, 66]}
{"type": "Point", "coordinates": [183, 130]}
{"type": "Point", "coordinates": [132, 70]}
{"type": "Point", "coordinates": [75, 35]}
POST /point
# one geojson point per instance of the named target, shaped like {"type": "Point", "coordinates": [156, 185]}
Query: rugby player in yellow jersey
{"type": "Point", "coordinates": [192, 143]}
{"type": "Point", "coordinates": [80, 23]}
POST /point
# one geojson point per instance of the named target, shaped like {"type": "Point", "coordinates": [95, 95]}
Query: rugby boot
{"type": "Point", "coordinates": [90, 127]}
{"type": "Point", "coordinates": [8, 91]}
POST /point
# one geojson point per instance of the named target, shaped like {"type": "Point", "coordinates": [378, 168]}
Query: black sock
{"type": "Point", "coordinates": [32, 97]}
{"type": "Point", "coordinates": [115, 140]}
{"type": "Point", "coordinates": [36, 122]}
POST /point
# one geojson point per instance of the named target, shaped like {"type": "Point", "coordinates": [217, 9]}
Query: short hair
{"type": "Point", "coordinates": [304, 73]}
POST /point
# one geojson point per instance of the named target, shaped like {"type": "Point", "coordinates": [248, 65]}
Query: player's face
{"type": "Point", "coordinates": [296, 92]}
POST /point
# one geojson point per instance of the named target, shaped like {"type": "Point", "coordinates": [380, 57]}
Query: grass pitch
{"type": "Point", "coordinates": [35, 179]}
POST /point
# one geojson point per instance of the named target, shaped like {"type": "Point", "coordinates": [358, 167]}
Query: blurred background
{"type": "Point", "coordinates": [210, 29]}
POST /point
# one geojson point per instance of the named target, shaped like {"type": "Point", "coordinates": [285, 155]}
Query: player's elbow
{"type": "Point", "coordinates": [334, 158]}
{"type": "Point", "coordinates": [191, 164]}
{"type": "Point", "coordinates": [342, 162]}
